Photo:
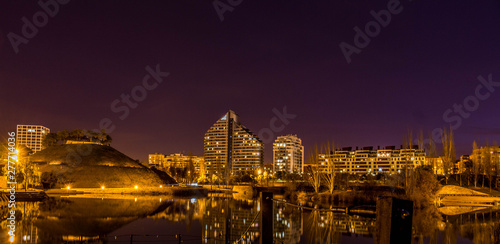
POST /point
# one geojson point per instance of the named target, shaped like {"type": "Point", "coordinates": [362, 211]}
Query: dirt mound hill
{"type": "Point", "coordinates": [93, 165]}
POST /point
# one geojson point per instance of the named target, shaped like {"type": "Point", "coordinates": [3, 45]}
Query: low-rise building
{"type": "Point", "coordinates": [369, 160]}
{"type": "Point", "coordinates": [156, 159]}
{"type": "Point", "coordinates": [176, 160]}
{"type": "Point", "coordinates": [488, 157]}
{"type": "Point", "coordinates": [436, 164]}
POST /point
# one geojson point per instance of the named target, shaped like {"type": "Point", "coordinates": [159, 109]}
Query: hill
{"type": "Point", "coordinates": [93, 165]}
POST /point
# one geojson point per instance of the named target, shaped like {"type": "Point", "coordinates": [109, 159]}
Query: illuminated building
{"type": "Point", "coordinates": [230, 147]}
{"type": "Point", "coordinates": [156, 159]}
{"type": "Point", "coordinates": [369, 160]}
{"type": "Point", "coordinates": [461, 165]}
{"type": "Point", "coordinates": [177, 160]}
{"type": "Point", "coordinates": [288, 154]}
{"type": "Point", "coordinates": [226, 221]}
{"type": "Point", "coordinates": [31, 136]}
{"type": "Point", "coordinates": [436, 163]}
{"type": "Point", "coordinates": [488, 157]}
{"type": "Point", "coordinates": [288, 224]}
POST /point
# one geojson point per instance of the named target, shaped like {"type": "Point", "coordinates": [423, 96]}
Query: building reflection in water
{"type": "Point", "coordinates": [26, 230]}
{"type": "Point", "coordinates": [288, 223]}
{"type": "Point", "coordinates": [74, 220]}
{"type": "Point", "coordinates": [480, 227]}
{"type": "Point", "coordinates": [228, 220]}
{"type": "Point", "coordinates": [329, 227]}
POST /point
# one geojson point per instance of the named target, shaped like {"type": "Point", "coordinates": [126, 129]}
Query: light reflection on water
{"type": "Point", "coordinates": [161, 219]}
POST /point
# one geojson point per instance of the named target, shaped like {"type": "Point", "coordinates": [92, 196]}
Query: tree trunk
{"type": "Point", "coordinates": [490, 182]}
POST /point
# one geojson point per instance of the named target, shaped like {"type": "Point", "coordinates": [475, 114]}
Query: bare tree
{"type": "Point", "coordinates": [329, 175]}
{"type": "Point", "coordinates": [486, 155]}
{"type": "Point", "coordinates": [408, 144]}
{"type": "Point", "coordinates": [495, 162]}
{"type": "Point", "coordinates": [315, 173]}
{"type": "Point", "coordinates": [202, 174]}
{"type": "Point", "coordinates": [476, 162]}
{"type": "Point", "coordinates": [190, 168]}
{"type": "Point", "coordinates": [449, 155]}
{"type": "Point", "coordinates": [432, 154]}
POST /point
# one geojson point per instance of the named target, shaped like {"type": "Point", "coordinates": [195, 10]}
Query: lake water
{"type": "Point", "coordinates": [162, 219]}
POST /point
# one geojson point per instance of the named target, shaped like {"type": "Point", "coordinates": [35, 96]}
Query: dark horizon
{"type": "Point", "coordinates": [262, 56]}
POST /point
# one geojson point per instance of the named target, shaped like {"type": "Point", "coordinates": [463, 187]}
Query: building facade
{"type": "Point", "coordinates": [436, 164]}
{"type": "Point", "coordinates": [31, 136]}
{"type": "Point", "coordinates": [230, 147]}
{"type": "Point", "coordinates": [156, 159]}
{"type": "Point", "coordinates": [239, 221]}
{"type": "Point", "coordinates": [288, 154]}
{"type": "Point", "coordinates": [368, 160]}
{"type": "Point", "coordinates": [176, 160]}
{"type": "Point", "coordinates": [487, 158]}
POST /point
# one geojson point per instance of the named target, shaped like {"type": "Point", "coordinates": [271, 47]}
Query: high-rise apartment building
{"type": "Point", "coordinates": [230, 147]}
{"type": "Point", "coordinates": [288, 154]}
{"type": "Point", "coordinates": [31, 136]}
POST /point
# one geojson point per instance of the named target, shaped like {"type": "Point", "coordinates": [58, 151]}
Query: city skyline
{"type": "Point", "coordinates": [409, 76]}
{"type": "Point", "coordinates": [243, 121]}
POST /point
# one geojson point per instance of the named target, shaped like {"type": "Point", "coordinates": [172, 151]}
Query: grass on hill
{"type": "Point", "coordinates": [91, 165]}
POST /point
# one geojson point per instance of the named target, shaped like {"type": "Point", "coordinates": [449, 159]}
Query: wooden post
{"type": "Point", "coordinates": [266, 217]}
{"type": "Point", "coordinates": [394, 220]}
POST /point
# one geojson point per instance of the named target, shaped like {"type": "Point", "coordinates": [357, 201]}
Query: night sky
{"type": "Point", "coordinates": [263, 55]}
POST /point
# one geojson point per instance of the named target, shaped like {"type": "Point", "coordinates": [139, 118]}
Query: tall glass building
{"type": "Point", "coordinates": [230, 147]}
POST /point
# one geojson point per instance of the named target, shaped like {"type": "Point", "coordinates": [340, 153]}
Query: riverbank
{"type": "Point", "coordinates": [181, 191]}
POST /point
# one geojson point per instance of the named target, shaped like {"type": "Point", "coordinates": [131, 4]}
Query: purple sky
{"type": "Point", "coordinates": [264, 55]}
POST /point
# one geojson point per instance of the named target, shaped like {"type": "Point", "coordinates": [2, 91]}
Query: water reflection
{"type": "Point", "coordinates": [221, 219]}
{"type": "Point", "coordinates": [329, 227]}
{"type": "Point", "coordinates": [59, 220]}
{"type": "Point", "coordinates": [480, 226]}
